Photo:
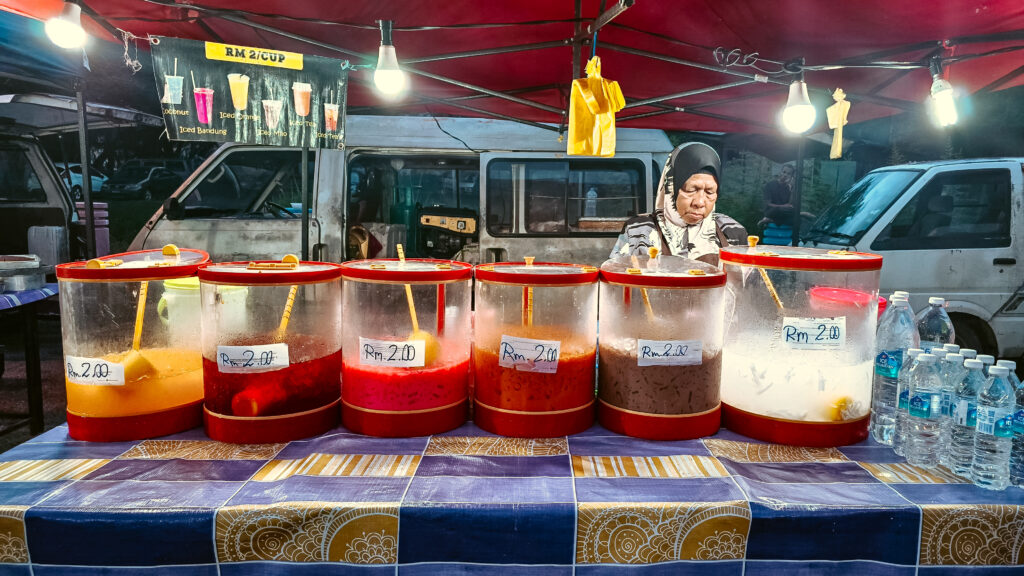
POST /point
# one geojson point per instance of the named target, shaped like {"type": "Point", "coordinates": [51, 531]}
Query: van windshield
{"type": "Point", "coordinates": [859, 207]}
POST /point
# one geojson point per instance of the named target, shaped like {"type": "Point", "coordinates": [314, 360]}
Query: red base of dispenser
{"type": "Point", "coordinates": [138, 427]}
{"type": "Point", "coordinates": [794, 433]}
{"type": "Point", "coordinates": [270, 429]}
{"type": "Point", "coordinates": [659, 426]}
{"type": "Point", "coordinates": [521, 424]}
{"type": "Point", "coordinates": [405, 423]}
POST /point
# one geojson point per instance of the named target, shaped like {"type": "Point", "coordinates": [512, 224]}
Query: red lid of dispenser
{"type": "Point", "coordinates": [799, 258]}
{"type": "Point", "coordinates": [269, 273]}
{"type": "Point", "coordinates": [536, 273]}
{"type": "Point", "coordinates": [410, 271]}
{"type": "Point", "coordinates": [662, 272]}
{"type": "Point", "coordinates": [167, 262]}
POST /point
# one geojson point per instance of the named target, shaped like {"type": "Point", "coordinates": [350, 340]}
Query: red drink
{"type": "Point", "coordinates": [204, 104]}
{"type": "Point", "coordinates": [390, 401]}
{"type": "Point", "coordinates": [308, 382]}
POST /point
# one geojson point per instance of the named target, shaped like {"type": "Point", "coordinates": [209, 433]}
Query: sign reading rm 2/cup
{"type": "Point", "coordinates": [256, 358]}
{"type": "Point", "coordinates": [814, 333]}
{"type": "Point", "coordinates": [529, 355]}
{"type": "Point", "coordinates": [400, 354]}
{"type": "Point", "coordinates": [228, 93]}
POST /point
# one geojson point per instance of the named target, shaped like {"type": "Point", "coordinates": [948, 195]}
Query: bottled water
{"type": "Point", "coordinates": [988, 360]}
{"type": "Point", "coordinates": [895, 335]}
{"type": "Point", "coordinates": [1017, 450]}
{"type": "Point", "coordinates": [963, 419]}
{"type": "Point", "coordinates": [969, 353]}
{"type": "Point", "coordinates": [924, 425]}
{"type": "Point", "coordinates": [951, 348]}
{"type": "Point", "coordinates": [994, 434]}
{"type": "Point", "coordinates": [953, 371]}
{"type": "Point", "coordinates": [934, 325]}
{"type": "Point", "coordinates": [1012, 376]}
{"type": "Point", "coordinates": [899, 436]}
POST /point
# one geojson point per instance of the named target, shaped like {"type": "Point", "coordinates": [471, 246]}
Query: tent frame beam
{"type": "Point", "coordinates": [603, 19]}
{"type": "Point", "coordinates": [486, 52]}
{"type": "Point", "coordinates": [656, 99]}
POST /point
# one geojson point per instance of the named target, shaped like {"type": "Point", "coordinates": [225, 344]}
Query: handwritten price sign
{"type": "Point", "coordinates": [256, 358]}
{"type": "Point", "coordinates": [399, 354]}
{"type": "Point", "coordinates": [93, 371]}
{"type": "Point", "coordinates": [529, 355]}
{"type": "Point", "coordinates": [814, 333]}
{"type": "Point", "coordinates": [669, 352]}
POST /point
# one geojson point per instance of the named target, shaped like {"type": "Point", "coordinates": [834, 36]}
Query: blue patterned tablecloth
{"type": "Point", "coordinates": [15, 299]}
{"type": "Point", "coordinates": [468, 502]}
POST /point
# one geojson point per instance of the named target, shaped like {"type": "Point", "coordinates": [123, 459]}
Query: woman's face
{"type": "Point", "coordinates": [696, 198]}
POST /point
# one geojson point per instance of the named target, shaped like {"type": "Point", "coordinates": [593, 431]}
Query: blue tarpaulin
{"type": "Point", "coordinates": [27, 55]}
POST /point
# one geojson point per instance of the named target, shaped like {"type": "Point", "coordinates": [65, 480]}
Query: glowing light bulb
{"type": "Point", "coordinates": [943, 104]}
{"type": "Point", "coordinates": [799, 114]}
{"type": "Point", "coordinates": [66, 30]}
{"type": "Point", "coordinates": [388, 77]}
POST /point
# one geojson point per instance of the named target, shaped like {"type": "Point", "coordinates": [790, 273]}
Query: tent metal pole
{"type": "Point", "coordinates": [403, 104]}
{"type": "Point", "coordinates": [798, 181]}
{"type": "Point", "coordinates": [646, 115]}
{"type": "Point", "coordinates": [890, 102]}
{"type": "Point", "coordinates": [576, 44]}
{"type": "Point", "coordinates": [604, 18]}
{"type": "Point", "coordinates": [487, 52]}
{"type": "Point", "coordinates": [656, 99]}
{"type": "Point", "coordinates": [83, 148]}
{"type": "Point", "coordinates": [1002, 80]}
{"type": "Point", "coordinates": [304, 167]}
{"type": "Point", "coordinates": [363, 57]}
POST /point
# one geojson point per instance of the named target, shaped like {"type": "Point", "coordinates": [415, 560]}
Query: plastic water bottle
{"type": "Point", "coordinates": [924, 425]}
{"type": "Point", "coordinates": [969, 353]}
{"type": "Point", "coordinates": [1017, 449]}
{"type": "Point", "coordinates": [988, 360]}
{"type": "Point", "coordinates": [1012, 376]}
{"type": "Point", "coordinates": [899, 436]}
{"type": "Point", "coordinates": [994, 436]}
{"type": "Point", "coordinates": [953, 372]}
{"type": "Point", "coordinates": [951, 348]}
{"type": "Point", "coordinates": [963, 420]}
{"type": "Point", "coordinates": [934, 325]}
{"type": "Point", "coordinates": [895, 335]}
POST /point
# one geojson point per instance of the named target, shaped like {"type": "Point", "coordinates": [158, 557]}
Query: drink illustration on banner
{"type": "Point", "coordinates": [172, 87]}
{"type": "Point", "coordinates": [330, 117]}
{"type": "Point", "coordinates": [239, 84]}
{"type": "Point", "coordinates": [301, 92]}
{"type": "Point", "coordinates": [272, 113]}
{"type": "Point", "coordinates": [204, 102]}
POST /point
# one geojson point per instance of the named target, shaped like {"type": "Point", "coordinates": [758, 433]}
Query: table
{"type": "Point", "coordinates": [25, 303]}
{"type": "Point", "coordinates": [469, 502]}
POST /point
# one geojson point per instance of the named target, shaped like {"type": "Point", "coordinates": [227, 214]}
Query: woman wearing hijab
{"type": "Point", "coordinates": [684, 222]}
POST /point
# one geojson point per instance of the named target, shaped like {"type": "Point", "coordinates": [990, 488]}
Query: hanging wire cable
{"type": "Point", "coordinates": [132, 63]}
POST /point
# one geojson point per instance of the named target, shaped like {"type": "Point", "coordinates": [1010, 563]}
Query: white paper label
{"type": "Point", "coordinates": [400, 354]}
{"type": "Point", "coordinates": [256, 358]}
{"type": "Point", "coordinates": [529, 355]}
{"type": "Point", "coordinates": [668, 352]}
{"type": "Point", "coordinates": [814, 333]}
{"type": "Point", "coordinates": [93, 371]}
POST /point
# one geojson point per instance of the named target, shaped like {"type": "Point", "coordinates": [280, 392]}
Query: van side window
{"type": "Point", "coordinates": [966, 209]}
{"type": "Point", "coordinates": [563, 197]}
{"type": "Point", "coordinates": [251, 184]}
{"type": "Point", "coordinates": [18, 180]}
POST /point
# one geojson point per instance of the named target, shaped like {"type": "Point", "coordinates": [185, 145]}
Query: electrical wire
{"type": "Point", "coordinates": [441, 128]}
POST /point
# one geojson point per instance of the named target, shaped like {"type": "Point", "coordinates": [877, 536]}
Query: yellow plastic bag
{"type": "Point", "coordinates": [592, 109]}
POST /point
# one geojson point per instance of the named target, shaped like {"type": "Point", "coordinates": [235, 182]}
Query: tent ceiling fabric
{"type": "Point", "coordinates": [822, 33]}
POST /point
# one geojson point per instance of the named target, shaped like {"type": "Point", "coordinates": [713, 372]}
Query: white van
{"type": "Point", "coordinates": [950, 229]}
{"type": "Point", "coordinates": [476, 189]}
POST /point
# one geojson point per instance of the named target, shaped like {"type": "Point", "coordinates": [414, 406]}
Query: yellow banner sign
{"type": "Point", "coordinates": [257, 56]}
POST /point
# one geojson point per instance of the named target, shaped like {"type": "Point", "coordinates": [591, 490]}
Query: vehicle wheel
{"type": "Point", "coordinates": [76, 193]}
{"type": "Point", "coordinates": [973, 333]}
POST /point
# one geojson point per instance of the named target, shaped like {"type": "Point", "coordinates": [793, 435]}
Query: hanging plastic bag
{"type": "Point", "coordinates": [592, 108]}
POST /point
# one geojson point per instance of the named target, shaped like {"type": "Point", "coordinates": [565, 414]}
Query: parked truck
{"type": "Point", "coordinates": [477, 189]}
{"type": "Point", "coordinates": [951, 229]}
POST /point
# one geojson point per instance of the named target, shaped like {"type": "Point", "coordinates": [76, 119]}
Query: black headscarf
{"type": "Point", "coordinates": [685, 161]}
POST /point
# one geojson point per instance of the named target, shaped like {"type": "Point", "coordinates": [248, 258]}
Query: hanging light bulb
{"type": "Point", "coordinates": [798, 116]}
{"type": "Point", "coordinates": [66, 30]}
{"type": "Point", "coordinates": [388, 77]}
{"type": "Point", "coordinates": [942, 103]}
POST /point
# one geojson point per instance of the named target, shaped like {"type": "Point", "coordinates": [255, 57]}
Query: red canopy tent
{"type": "Point", "coordinates": [516, 59]}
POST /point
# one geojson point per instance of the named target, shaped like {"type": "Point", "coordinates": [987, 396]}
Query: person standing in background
{"type": "Point", "coordinates": [778, 198]}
